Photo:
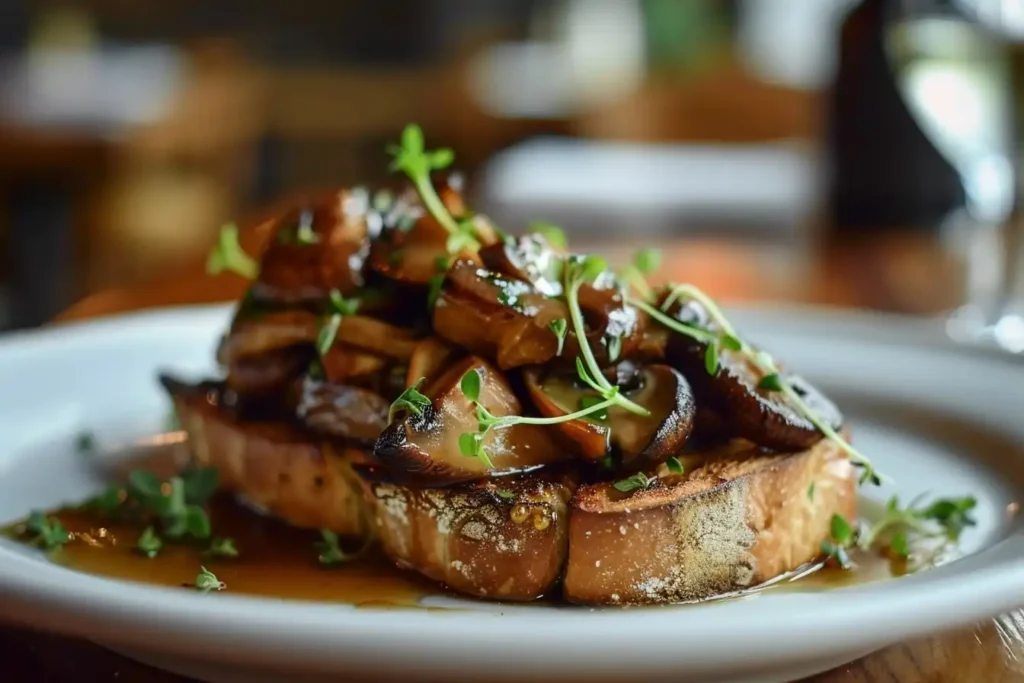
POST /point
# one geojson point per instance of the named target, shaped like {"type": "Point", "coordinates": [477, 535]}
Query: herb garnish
{"type": "Point", "coordinates": [49, 532]}
{"type": "Point", "coordinates": [843, 538]}
{"type": "Point", "coordinates": [944, 519]}
{"type": "Point", "coordinates": [207, 581]}
{"type": "Point", "coordinates": [331, 552]}
{"type": "Point", "coordinates": [554, 235]}
{"type": "Point", "coordinates": [339, 307]}
{"type": "Point", "coordinates": [728, 339]}
{"type": "Point", "coordinates": [505, 494]}
{"type": "Point", "coordinates": [810, 492]}
{"type": "Point", "coordinates": [85, 442]}
{"type": "Point", "coordinates": [229, 256]}
{"type": "Point", "coordinates": [222, 547]}
{"type": "Point", "coordinates": [674, 465]}
{"type": "Point", "coordinates": [149, 543]}
{"type": "Point", "coordinates": [411, 158]}
{"type": "Point", "coordinates": [559, 328]}
{"type": "Point", "coordinates": [410, 399]}
{"type": "Point", "coordinates": [634, 483]}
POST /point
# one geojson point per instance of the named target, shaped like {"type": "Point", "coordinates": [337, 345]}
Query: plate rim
{"type": "Point", "coordinates": [50, 596]}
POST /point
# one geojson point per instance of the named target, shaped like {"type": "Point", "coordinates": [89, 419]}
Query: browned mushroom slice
{"type": "Point", "coordinates": [415, 243]}
{"type": "Point", "coordinates": [347, 412]}
{"type": "Point", "coordinates": [736, 521]}
{"type": "Point", "coordinates": [425, 449]}
{"type": "Point", "coordinates": [377, 336]}
{"type": "Point", "coordinates": [318, 246]}
{"type": "Point", "coordinates": [269, 373]}
{"type": "Point", "coordinates": [528, 258]}
{"type": "Point", "coordinates": [344, 364]}
{"type": "Point", "coordinates": [272, 465]}
{"type": "Point", "coordinates": [503, 539]}
{"type": "Point", "coordinates": [637, 441]}
{"type": "Point", "coordinates": [762, 415]}
{"type": "Point", "coordinates": [508, 319]}
{"type": "Point", "coordinates": [428, 358]}
{"type": "Point", "coordinates": [268, 332]}
{"type": "Point", "coordinates": [500, 318]}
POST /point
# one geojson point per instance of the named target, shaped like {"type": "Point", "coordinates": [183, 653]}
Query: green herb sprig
{"type": "Point", "coordinates": [943, 519]}
{"type": "Point", "coordinates": [207, 581]}
{"type": "Point", "coordinates": [773, 379]}
{"type": "Point", "coordinates": [339, 307]}
{"type": "Point", "coordinates": [332, 554]}
{"type": "Point", "coordinates": [645, 262]}
{"type": "Point", "coordinates": [843, 537]}
{"type": "Point", "coordinates": [228, 255]}
{"type": "Point", "coordinates": [411, 400]}
{"type": "Point", "coordinates": [411, 158]}
{"type": "Point", "coordinates": [48, 532]}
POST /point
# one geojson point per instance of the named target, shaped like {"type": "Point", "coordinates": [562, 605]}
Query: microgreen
{"type": "Point", "coordinates": [559, 328]}
{"type": "Point", "coordinates": [580, 270]}
{"type": "Point", "coordinates": [85, 442]}
{"type": "Point", "coordinates": [647, 261]}
{"type": "Point", "coordinates": [416, 162]}
{"type": "Point", "coordinates": [332, 554]}
{"type": "Point", "coordinates": [229, 256]}
{"type": "Point", "coordinates": [770, 382]}
{"type": "Point", "coordinates": [614, 348]}
{"type": "Point", "coordinates": [554, 235]}
{"type": "Point", "coordinates": [434, 288]}
{"type": "Point", "coordinates": [634, 483]}
{"type": "Point", "coordinates": [207, 581]}
{"type": "Point", "coordinates": [106, 502]}
{"type": "Point", "coordinates": [149, 543]}
{"type": "Point", "coordinates": [470, 385]}
{"type": "Point", "coordinates": [810, 492]}
{"type": "Point", "coordinates": [843, 537]}
{"type": "Point", "coordinates": [944, 519]}
{"type": "Point", "coordinates": [727, 338]}
{"type": "Point", "coordinates": [600, 415]}
{"type": "Point", "coordinates": [674, 465]}
{"type": "Point", "coordinates": [410, 399]}
{"type": "Point", "coordinates": [505, 494]}
{"type": "Point", "coordinates": [222, 547]}
{"type": "Point", "coordinates": [178, 501]}
{"type": "Point", "coordinates": [48, 532]}
{"type": "Point", "coordinates": [338, 308]}
{"type": "Point", "coordinates": [304, 232]}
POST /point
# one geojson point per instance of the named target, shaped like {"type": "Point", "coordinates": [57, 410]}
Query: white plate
{"type": "Point", "coordinates": [938, 418]}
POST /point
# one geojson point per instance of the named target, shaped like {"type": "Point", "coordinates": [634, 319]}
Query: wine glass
{"type": "Point", "coordinates": [956, 67]}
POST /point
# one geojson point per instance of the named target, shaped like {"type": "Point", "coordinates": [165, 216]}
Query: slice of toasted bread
{"type": "Point", "coordinates": [502, 538]}
{"type": "Point", "coordinates": [276, 468]}
{"type": "Point", "coordinates": [734, 520]}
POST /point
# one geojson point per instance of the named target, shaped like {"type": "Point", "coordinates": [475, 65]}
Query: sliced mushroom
{"type": "Point", "coordinates": [635, 441]}
{"type": "Point", "coordinates": [762, 415]}
{"type": "Point", "coordinates": [253, 336]}
{"type": "Point", "coordinates": [734, 519]}
{"type": "Point", "coordinates": [347, 412]}
{"type": "Point", "coordinates": [268, 374]}
{"type": "Point", "coordinates": [428, 358]}
{"type": "Point", "coordinates": [318, 246]}
{"type": "Point", "coordinates": [528, 258]}
{"type": "Point", "coordinates": [414, 242]}
{"type": "Point", "coordinates": [345, 364]}
{"type": "Point", "coordinates": [497, 317]}
{"type": "Point", "coordinates": [424, 448]}
{"type": "Point", "coordinates": [377, 336]}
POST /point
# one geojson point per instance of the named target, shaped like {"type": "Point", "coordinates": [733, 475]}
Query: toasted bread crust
{"type": "Point", "coordinates": [306, 484]}
{"type": "Point", "coordinates": [504, 538]}
{"type": "Point", "coordinates": [734, 522]}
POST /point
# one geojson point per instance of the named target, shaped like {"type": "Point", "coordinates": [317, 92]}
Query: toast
{"type": "Point", "coordinates": [273, 466]}
{"type": "Point", "coordinates": [735, 519]}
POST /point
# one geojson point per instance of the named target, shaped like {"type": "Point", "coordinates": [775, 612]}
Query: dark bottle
{"type": "Point", "coordinates": [885, 173]}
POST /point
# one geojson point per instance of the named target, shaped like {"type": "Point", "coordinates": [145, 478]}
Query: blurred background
{"type": "Point", "coordinates": [746, 132]}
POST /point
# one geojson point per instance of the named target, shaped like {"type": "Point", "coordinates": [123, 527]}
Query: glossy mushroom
{"type": "Point", "coordinates": [762, 415]}
{"type": "Point", "coordinates": [424, 448]}
{"type": "Point", "coordinates": [319, 245]}
{"type": "Point", "coordinates": [634, 441]}
{"type": "Point", "coordinates": [351, 413]}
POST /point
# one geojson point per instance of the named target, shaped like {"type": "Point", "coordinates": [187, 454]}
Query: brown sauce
{"type": "Point", "coordinates": [274, 560]}
{"type": "Point", "coordinates": [279, 561]}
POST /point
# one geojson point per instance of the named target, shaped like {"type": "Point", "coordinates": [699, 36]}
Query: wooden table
{"type": "Point", "coordinates": [908, 273]}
